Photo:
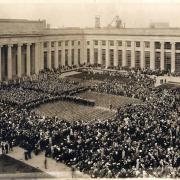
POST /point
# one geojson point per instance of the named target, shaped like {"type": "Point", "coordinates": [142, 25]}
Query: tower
{"type": "Point", "coordinates": [97, 22]}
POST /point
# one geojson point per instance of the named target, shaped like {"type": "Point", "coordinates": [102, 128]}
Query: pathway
{"type": "Point", "coordinates": [54, 168]}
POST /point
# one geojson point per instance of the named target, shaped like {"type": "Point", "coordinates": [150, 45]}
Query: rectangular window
{"type": "Point", "coordinates": [79, 57]}
{"type": "Point", "coordinates": [52, 44]}
{"type": "Point", "coordinates": [177, 62]}
{"type": "Point", "coordinates": [95, 42]}
{"type": "Point", "coordinates": [137, 43]}
{"type": "Point", "coordinates": [103, 57]}
{"type": "Point", "coordinates": [128, 58]}
{"type": "Point", "coordinates": [72, 43]}
{"type": "Point", "coordinates": [88, 43]}
{"type": "Point", "coordinates": [103, 43]}
{"type": "Point", "coordinates": [88, 56]}
{"type": "Point", "coordinates": [147, 44]}
{"type": "Point", "coordinates": [137, 59]}
{"type": "Point", "coordinates": [128, 43]}
{"type": "Point", "coordinates": [66, 43]}
{"type": "Point", "coordinates": [111, 57]}
{"type": "Point", "coordinates": [167, 45]}
{"type": "Point", "coordinates": [59, 57]}
{"type": "Point", "coordinates": [45, 60]}
{"type": "Point", "coordinates": [119, 43]}
{"type": "Point", "coordinates": [95, 56]}
{"type": "Point", "coordinates": [72, 56]}
{"type": "Point", "coordinates": [167, 61]}
{"type": "Point", "coordinates": [52, 60]}
{"type": "Point", "coordinates": [177, 46]}
{"type": "Point", "coordinates": [147, 59]}
{"type": "Point", "coordinates": [157, 60]}
{"type": "Point", "coordinates": [111, 43]}
{"type": "Point", "coordinates": [45, 44]}
{"type": "Point", "coordinates": [157, 45]}
{"type": "Point", "coordinates": [66, 57]}
{"type": "Point", "coordinates": [59, 43]}
{"type": "Point", "coordinates": [119, 57]}
{"type": "Point", "coordinates": [79, 42]}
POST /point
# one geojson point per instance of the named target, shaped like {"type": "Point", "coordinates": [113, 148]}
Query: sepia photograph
{"type": "Point", "coordinates": [89, 89]}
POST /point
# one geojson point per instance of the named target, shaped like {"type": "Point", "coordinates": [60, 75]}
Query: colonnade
{"type": "Point", "coordinates": [25, 59]}
{"type": "Point", "coordinates": [142, 49]}
{"type": "Point", "coordinates": [19, 59]}
{"type": "Point", "coordinates": [63, 54]}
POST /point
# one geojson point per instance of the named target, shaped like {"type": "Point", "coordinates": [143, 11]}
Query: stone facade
{"type": "Point", "coordinates": [26, 47]}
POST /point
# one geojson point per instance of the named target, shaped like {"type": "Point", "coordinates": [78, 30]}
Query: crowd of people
{"type": "Point", "coordinates": [52, 83]}
{"type": "Point", "coordinates": [136, 85]}
{"type": "Point", "coordinates": [18, 96]}
{"type": "Point", "coordinates": [142, 141]}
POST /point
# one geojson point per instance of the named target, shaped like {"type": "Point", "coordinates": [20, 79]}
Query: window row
{"type": "Point", "coordinates": [67, 43]}
{"type": "Point", "coordinates": [146, 44]}
{"type": "Point", "coordinates": [119, 43]}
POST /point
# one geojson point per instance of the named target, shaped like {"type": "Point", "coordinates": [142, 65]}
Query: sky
{"type": "Point", "coordinates": [81, 13]}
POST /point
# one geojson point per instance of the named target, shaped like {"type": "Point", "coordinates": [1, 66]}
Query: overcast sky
{"type": "Point", "coordinates": [81, 13]}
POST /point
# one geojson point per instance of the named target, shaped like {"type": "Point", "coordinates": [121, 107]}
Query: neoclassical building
{"type": "Point", "coordinates": [26, 47]}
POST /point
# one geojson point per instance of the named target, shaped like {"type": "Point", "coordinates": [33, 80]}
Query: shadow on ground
{"type": "Point", "coordinates": [12, 168]}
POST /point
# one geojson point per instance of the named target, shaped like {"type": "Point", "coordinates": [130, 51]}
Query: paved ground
{"type": "Point", "coordinates": [10, 167]}
{"type": "Point", "coordinates": [72, 112]}
{"type": "Point", "coordinates": [69, 73]}
{"type": "Point", "coordinates": [54, 169]}
{"type": "Point", "coordinates": [104, 100]}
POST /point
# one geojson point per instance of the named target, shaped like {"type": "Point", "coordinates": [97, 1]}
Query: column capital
{"type": "Point", "coordinates": [28, 44]}
{"type": "Point", "coordinates": [20, 44]}
{"type": "Point", "coordinates": [10, 45]}
{"type": "Point", "coordinates": [173, 43]}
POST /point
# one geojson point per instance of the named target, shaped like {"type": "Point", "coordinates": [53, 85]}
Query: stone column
{"type": "Point", "coordinates": [107, 54]}
{"type": "Point", "coordinates": [91, 52]}
{"type": "Point", "coordinates": [19, 54]}
{"type": "Point", "coordinates": [100, 52]}
{"type": "Point", "coordinates": [173, 57]}
{"type": "Point", "coordinates": [49, 55]}
{"type": "Point", "coordinates": [115, 53]}
{"type": "Point", "coordinates": [123, 53]}
{"type": "Point", "coordinates": [85, 51]}
{"type": "Point", "coordinates": [75, 53]}
{"type": "Point", "coordinates": [69, 54]}
{"type": "Point", "coordinates": [56, 55]}
{"type": "Point", "coordinates": [37, 65]}
{"type": "Point", "coordinates": [132, 54]}
{"type": "Point", "coordinates": [9, 62]}
{"type": "Point", "coordinates": [82, 51]}
{"type": "Point", "coordinates": [162, 56]}
{"type": "Point", "coordinates": [142, 62]}
{"type": "Point", "coordinates": [0, 65]}
{"type": "Point", "coordinates": [152, 55]}
{"type": "Point", "coordinates": [28, 60]}
{"type": "Point", "coordinates": [63, 54]}
{"type": "Point", "coordinates": [41, 55]}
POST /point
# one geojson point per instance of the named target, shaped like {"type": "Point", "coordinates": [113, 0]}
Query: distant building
{"type": "Point", "coordinates": [26, 47]}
